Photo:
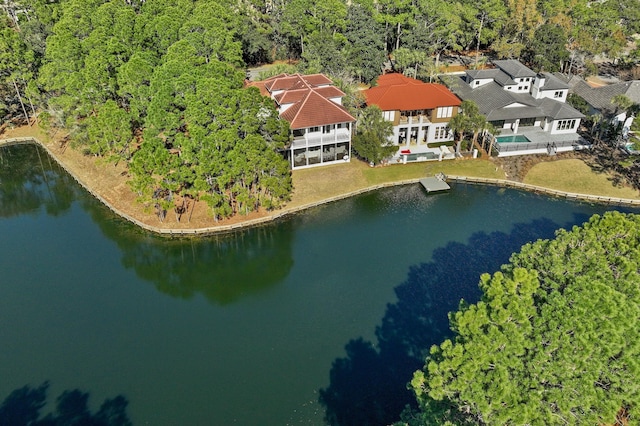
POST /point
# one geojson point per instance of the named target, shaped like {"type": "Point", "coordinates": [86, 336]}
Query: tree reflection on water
{"type": "Point", "coordinates": [30, 180]}
{"type": "Point", "coordinates": [23, 406]}
{"type": "Point", "coordinates": [222, 268]}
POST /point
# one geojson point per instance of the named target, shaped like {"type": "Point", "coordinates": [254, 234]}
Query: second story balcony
{"type": "Point", "coordinates": [413, 119]}
{"type": "Point", "coordinates": [321, 138]}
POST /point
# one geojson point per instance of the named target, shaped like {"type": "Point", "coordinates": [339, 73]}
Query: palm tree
{"type": "Point", "coordinates": [468, 119]}
{"type": "Point", "coordinates": [458, 125]}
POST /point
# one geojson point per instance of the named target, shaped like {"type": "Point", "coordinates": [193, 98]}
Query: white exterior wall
{"type": "Point", "coordinates": [283, 108]}
{"type": "Point", "coordinates": [480, 82]}
{"type": "Point", "coordinates": [430, 133]}
{"type": "Point", "coordinates": [524, 84]}
{"type": "Point", "coordinates": [537, 84]}
{"type": "Point", "coordinates": [551, 94]}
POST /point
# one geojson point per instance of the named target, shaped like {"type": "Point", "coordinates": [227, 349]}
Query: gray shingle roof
{"type": "Point", "coordinates": [600, 97]}
{"type": "Point", "coordinates": [514, 68]}
{"type": "Point", "coordinates": [495, 74]}
{"type": "Point", "coordinates": [558, 110]}
{"type": "Point", "coordinates": [551, 82]}
{"type": "Point", "coordinates": [493, 102]}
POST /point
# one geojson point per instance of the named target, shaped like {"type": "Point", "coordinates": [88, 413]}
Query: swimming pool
{"type": "Point", "coordinates": [629, 148]}
{"type": "Point", "coordinates": [512, 138]}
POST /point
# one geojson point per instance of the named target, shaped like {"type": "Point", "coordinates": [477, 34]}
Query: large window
{"type": "Point", "coordinates": [444, 112]}
{"type": "Point", "coordinates": [527, 122]}
{"type": "Point", "coordinates": [566, 124]}
{"type": "Point", "coordinates": [440, 133]}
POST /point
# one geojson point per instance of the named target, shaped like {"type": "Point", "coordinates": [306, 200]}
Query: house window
{"type": "Point", "coordinates": [298, 132]}
{"type": "Point", "coordinates": [527, 122]}
{"type": "Point", "coordinates": [558, 94]}
{"type": "Point", "coordinates": [444, 112]}
{"type": "Point", "coordinates": [326, 129]}
{"type": "Point", "coordinates": [314, 129]}
{"type": "Point", "coordinates": [527, 79]}
{"type": "Point", "coordinates": [519, 87]}
{"type": "Point", "coordinates": [440, 133]}
{"type": "Point", "coordinates": [402, 135]}
{"type": "Point", "coordinates": [566, 124]}
{"type": "Point", "coordinates": [498, 124]}
{"type": "Point", "coordinates": [476, 82]}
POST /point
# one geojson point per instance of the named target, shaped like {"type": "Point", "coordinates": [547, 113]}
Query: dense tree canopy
{"type": "Point", "coordinates": [555, 338]}
{"type": "Point", "coordinates": [159, 85]}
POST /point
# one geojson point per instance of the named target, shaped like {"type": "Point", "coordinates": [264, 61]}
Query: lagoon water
{"type": "Point", "coordinates": [316, 319]}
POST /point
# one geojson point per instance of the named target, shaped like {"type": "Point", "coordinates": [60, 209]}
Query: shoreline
{"type": "Point", "coordinates": [267, 218]}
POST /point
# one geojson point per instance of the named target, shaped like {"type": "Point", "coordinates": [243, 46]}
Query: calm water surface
{"type": "Point", "coordinates": [317, 319]}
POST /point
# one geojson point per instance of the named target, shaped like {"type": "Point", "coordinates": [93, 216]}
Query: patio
{"type": "Point", "coordinates": [415, 153]}
{"type": "Point", "coordinates": [540, 142]}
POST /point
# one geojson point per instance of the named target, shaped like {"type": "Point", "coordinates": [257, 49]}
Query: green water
{"type": "Point", "coordinates": [321, 316]}
{"type": "Point", "coordinates": [512, 138]}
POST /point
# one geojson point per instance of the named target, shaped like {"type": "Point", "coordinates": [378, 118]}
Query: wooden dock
{"type": "Point", "coordinates": [436, 183]}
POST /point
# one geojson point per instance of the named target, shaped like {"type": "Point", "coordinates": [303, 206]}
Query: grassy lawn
{"type": "Point", "coordinates": [475, 168]}
{"type": "Point", "coordinates": [575, 176]}
{"type": "Point", "coordinates": [315, 184]}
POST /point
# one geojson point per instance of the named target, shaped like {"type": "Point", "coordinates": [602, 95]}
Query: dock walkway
{"type": "Point", "coordinates": [435, 183]}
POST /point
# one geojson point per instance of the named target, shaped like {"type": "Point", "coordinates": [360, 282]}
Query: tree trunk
{"type": "Point", "coordinates": [478, 44]}
{"type": "Point", "coordinates": [33, 110]}
{"type": "Point", "coordinates": [398, 36]}
{"type": "Point", "coordinates": [21, 103]}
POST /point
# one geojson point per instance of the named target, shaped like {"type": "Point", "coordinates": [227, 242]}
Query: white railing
{"type": "Point", "coordinates": [315, 139]}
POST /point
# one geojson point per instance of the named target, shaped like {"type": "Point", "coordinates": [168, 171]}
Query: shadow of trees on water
{"type": "Point", "coordinates": [369, 385]}
{"type": "Point", "coordinates": [30, 181]}
{"type": "Point", "coordinates": [23, 406]}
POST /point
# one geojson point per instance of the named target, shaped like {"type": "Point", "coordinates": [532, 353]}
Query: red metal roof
{"type": "Point", "coordinates": [309, 95]}
{"type": "Point", "coordinates": [396, 92]}
{"type": "Point", "coordinates": [295, 95]}
{"type": "Point", "coordinates": [296, 81]}
{"type": "Point", "coordinates": [315, 110]}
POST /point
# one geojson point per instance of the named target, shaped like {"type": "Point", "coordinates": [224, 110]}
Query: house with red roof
{"type": "Point", "coordinates": [420, 113]}
{"type": "Point", "coordinates": [320, 125]}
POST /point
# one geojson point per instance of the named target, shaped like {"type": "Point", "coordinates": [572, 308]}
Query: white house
{"type": "Point", "coordinates": [321, 127]}
{"type": "Point", "coordinates": [529, 109]}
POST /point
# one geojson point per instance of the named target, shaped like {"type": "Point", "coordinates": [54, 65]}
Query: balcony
{"type": "Point", "coordinates": [416, 119]}
{"type": "Point", "coordinates": [319, 138]}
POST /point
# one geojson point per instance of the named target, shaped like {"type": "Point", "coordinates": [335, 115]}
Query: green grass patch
{"type": "Point", "coordinates": [575, 176]}
{"type": "Point", "coordinates": [400, 172]}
